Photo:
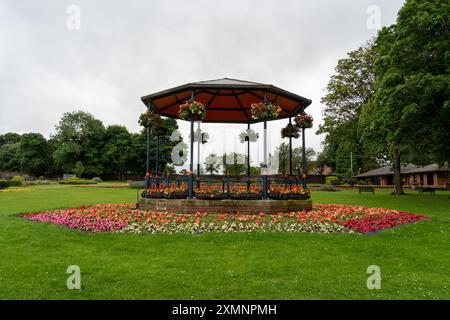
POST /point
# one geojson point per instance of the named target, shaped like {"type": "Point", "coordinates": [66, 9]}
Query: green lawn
{"type": "Point", "coordinates": [414, 259]}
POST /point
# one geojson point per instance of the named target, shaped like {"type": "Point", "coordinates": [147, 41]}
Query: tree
{"type": "Point", "coordinates": [9, 138]}
{"type": "Point", "coordinates": [234, 163]}
{"type": "Point", "coordinates": [212, 164]}
{"type": "Point", "coordinates": [117, 149]}
{"type": "Point", "coordinates": [9, 157]}
{"type": "Point", "coordinates": [137, 154]}
{"type": "Point", "coordinates": [79, 169]}
{"type": "Point", "coordinates": [409, 115]}
{"type": "Point", "coordinates": [347, 92]}
{"type": "Point", "coordinates": [283, 158]}
{"type": "Point", "coordinates": [34, 154]}
{"type": "Point", "coordinates": [79, 137]}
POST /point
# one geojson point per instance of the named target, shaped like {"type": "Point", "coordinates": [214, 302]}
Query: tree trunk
{"type": "Point", "coordinates": [398, 190]}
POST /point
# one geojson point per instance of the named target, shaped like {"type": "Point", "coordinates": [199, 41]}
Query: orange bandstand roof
{"type": "Point", "coordinates": [226, 100]}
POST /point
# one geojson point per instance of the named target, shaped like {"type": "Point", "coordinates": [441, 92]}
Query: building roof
{"type": "Point", "coordinates": [408, 168]}
{"type": "Point", "coordinates": [226, 100]}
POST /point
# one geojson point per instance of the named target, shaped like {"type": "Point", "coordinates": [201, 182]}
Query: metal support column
{"type": "Point", "coordinates": [304, 170]}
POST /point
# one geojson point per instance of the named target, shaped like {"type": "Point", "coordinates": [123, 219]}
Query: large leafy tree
{"type": "Point", "coordinates": [34, 154]}
{"type": "Point", "coordinates": [9, 138]}
{"type": "Point", "coordinates": [79, 138]}
{"type": "Point", "coordinates": [408, 117]}
{"type": "Point", "coordinates": [348, 90]}
{"type": "Point", "coordinates": [9, 157]}
{"type": "Point", "coordinates": [117, 149]}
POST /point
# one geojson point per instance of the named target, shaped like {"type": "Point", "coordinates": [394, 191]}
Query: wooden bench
{"type": "Point", "coordinates": [366, 189]}
{"type": "Point", "coordinates": [422, 190]}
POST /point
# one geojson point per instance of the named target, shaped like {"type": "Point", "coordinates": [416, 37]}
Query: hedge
{"type": "Point", "coordinates": [77, 181]}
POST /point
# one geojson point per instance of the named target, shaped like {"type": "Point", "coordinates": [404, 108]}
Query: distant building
{"type": "Point", "coordinates": [430, 175]}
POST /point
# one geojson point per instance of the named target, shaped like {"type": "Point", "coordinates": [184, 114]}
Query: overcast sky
{"type": "Point", "coordinates": [126, 49]}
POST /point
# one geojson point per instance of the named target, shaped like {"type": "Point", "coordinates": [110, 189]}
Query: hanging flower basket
{"type": "Point", "coordinates": [248, 135]}
{"type": "Point", "coordinates": [150, 119]}
{"type": "Point", "coordinates": [192, 111]}
{"type": "Point", "coordinates": [290, 131]}
{"type": "Point", "coordinates": [304, 120]}
{"type": "Point", "coordinates": [262, 111]}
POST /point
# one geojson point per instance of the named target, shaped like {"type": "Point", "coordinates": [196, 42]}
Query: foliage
{"type": "Point", "coordinates": [136, 184]}
{"type": "Point", "coordinates": [332, 180]}
{"type": "Point", "coordinates": [78, 169]}
{"type": "Point", "coordinates": [346, 93]}
{"type": "Point", "coordinates": [265, 111]}
{"type": "Point", "coordinates": [19, 179]}
{"type": "Point", "coordinates": [409, 115]}
{"type": "Point", "coordinates": [193, 110]}
{"type": "Point", "coordinates": [9, 138]}
{"type": "Point", "coordinates": [9, 157]}
{"type": "Point", "coordinates": [118, 148]}
{"type": "Point", "coordinates": [79, 137]}
{"type": "Point", "coordinates": [97, 179]}
{"type": "Point", "coordinates": [149, 119]}
{"type": "Point", "coordinates": [283, 158]}
{"type": "Point", "coordinates": [4, 184]}
{"type": "Point", "coordinates": [328, 188]}
{"type": "Point", "coordinates": [82, 138]}
{"type": "Point", "coordinates": [34, 154]}
{"type": "Point", "coordinates": [290, 131]}
{"type": "Point", "coordinates": [77, 181]}
{"type": "Point", "coordinates": [234, 163]}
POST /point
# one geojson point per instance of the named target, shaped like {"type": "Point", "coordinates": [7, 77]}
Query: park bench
{"type": "Point", "coordinates": [422, 190]}
{"type": "Point", "coordinates": [366, 189]}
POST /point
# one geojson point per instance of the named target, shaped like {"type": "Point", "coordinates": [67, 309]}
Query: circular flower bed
{"type": "Point", "coordinates": [330, 218]}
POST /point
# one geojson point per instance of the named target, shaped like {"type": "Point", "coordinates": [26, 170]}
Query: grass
{"type": "Point", "coordinates": [414, 259]}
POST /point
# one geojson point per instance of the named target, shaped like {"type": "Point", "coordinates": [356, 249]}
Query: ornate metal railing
{"type": "Point", "coordinates": [234, 187]}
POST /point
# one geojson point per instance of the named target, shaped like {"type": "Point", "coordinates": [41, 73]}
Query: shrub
{"type": "Point", "coordinates": [37, 182]}
{"type": "Point", "coordinates": [4, 184]}
{"type": "Point", "coordinates": [332, 180]}
{"type": "Point", "coordinates": [97, 179]}
{"type": "Point", "coordinates": [76, 181]}
{"type": "Point", "coordinates": [136, 184]}
{"type": "Point", "coordinates": [18, 179]}
{"type": "Point", "coordinates": [325, 187]}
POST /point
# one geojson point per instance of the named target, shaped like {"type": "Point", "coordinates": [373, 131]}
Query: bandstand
{"type": "Point", "coordinates": [229, 101]}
